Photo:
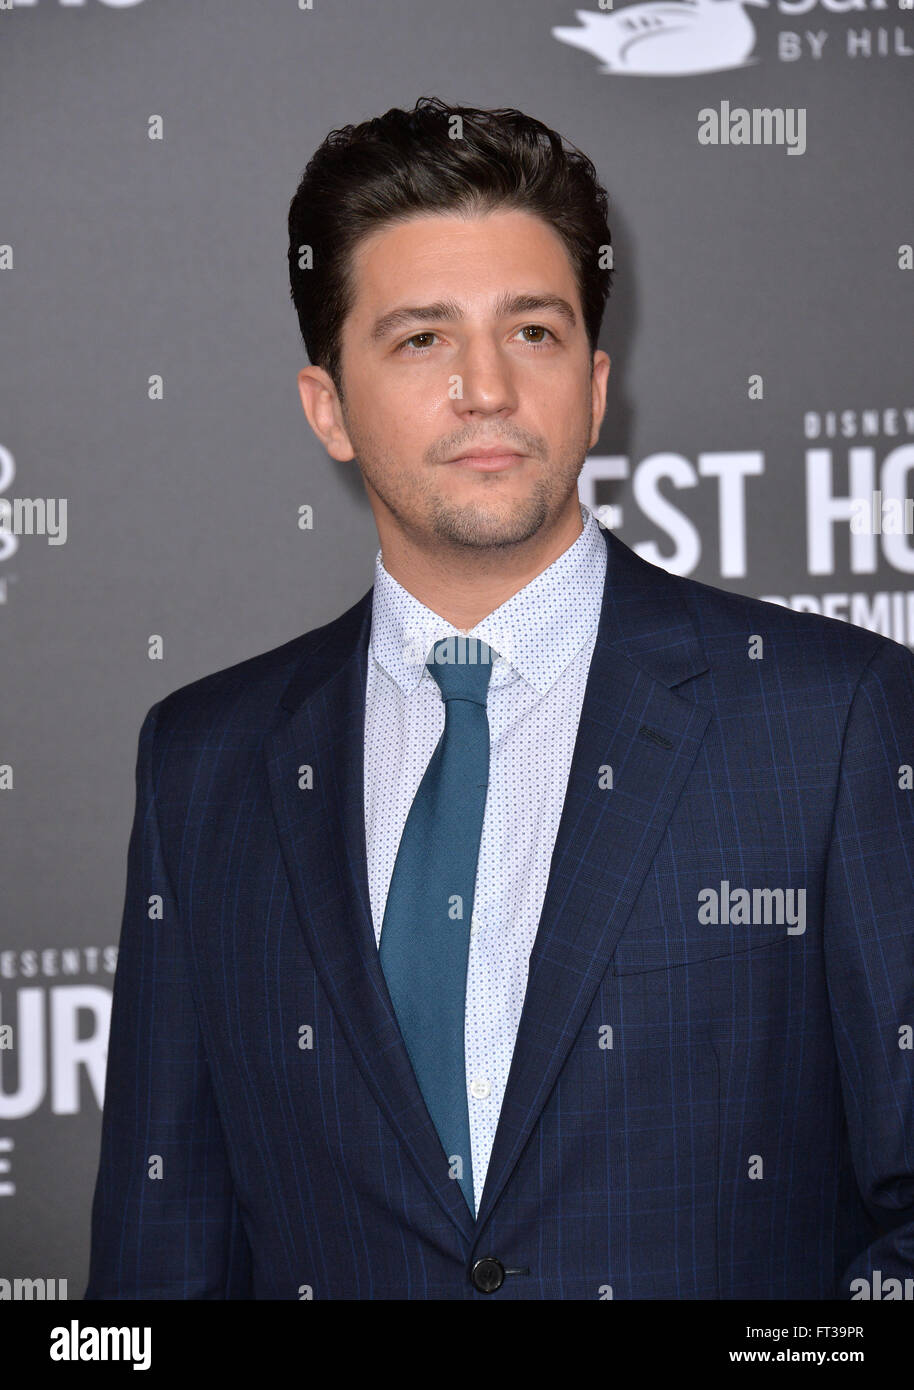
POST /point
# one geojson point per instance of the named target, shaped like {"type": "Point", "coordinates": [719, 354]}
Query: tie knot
{"type": "Point", "coordinates": [462, 667]}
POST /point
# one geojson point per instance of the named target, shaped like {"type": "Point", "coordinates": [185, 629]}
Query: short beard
{"type": "Point", "coordinates": [474, 528]}
{"type": "Point", "coordinates": [468, 526]}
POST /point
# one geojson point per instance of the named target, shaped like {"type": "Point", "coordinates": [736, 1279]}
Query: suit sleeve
{"type": "Point", "coordinates": [869, 955]}
{"type": "Point", "coordinates": [165, 1220]}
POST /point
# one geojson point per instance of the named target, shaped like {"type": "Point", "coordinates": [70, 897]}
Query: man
{"type": "Point", "coordinates": [541, 928]}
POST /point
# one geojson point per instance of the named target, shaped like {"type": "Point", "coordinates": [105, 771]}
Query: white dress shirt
{"type": "Point", "coordinates": [544, 636]}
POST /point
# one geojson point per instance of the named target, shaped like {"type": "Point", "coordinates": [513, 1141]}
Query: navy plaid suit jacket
{"type": "Point", "coordinates": [694, 1110]}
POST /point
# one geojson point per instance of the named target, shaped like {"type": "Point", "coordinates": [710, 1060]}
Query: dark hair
{"type": "Point", "coordinates": [405, 163]}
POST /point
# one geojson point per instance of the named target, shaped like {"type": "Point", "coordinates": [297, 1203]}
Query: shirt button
{"type": "Point", "coordinates": [480, 1087]}
{"type": "Point", "coordinates": [474, 924]}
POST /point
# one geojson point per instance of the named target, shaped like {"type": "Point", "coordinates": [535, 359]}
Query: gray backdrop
{"type": "Point", "coordinates": [126, 258]}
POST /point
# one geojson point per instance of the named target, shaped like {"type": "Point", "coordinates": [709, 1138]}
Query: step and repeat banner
{"type": "Point", "coordinates": [155, 461]}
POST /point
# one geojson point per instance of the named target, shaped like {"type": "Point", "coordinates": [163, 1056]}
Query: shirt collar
{"type": "Point", "coordinates": [536, 632]}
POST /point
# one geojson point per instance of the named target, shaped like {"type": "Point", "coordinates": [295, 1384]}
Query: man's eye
{"type": "Point", "coordinates": [537, 328]}
{"type": "Point", "coordinates": [413, 338]}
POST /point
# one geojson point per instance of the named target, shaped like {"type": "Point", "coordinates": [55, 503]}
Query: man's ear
{"type": "Point", "coordinates": [322, 407]}
{"type": "Point", "coordinates": [599, 378]}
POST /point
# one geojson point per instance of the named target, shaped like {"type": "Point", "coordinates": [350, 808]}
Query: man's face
{"type": "Point", "coordinates": [463, 333]}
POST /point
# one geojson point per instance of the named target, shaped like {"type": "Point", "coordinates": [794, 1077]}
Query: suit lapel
{"type": "Point", "coordinates": [631, 721]}
{"type": "Point", "coordinates": [322, 835]}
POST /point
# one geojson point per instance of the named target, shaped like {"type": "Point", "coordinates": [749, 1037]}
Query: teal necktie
{"type": "Point", "coordinates": [425, 935]}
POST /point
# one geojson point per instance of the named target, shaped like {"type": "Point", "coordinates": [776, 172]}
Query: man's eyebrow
{"type": "Point", "coordinates": [449, 311]}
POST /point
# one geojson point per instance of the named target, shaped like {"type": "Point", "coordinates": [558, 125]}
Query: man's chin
{"type": "Point", "coordinates": [486, 528]}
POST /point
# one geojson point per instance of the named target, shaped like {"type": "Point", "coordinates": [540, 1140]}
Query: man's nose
{"type": "Point", "coordinates": [487, 381]}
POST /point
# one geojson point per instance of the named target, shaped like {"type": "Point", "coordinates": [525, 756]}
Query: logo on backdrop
{"type": "Point", "coordinates": [676, 38]}
{"type": "Point", "coordinates": [9, 541]}
{"type": "Point", "coordinates": [53, 1037]}
{"type": "Point", "coordinates": [665, 38]}
{"type": "Point", "coordinates": [25, 516]}
{"type": "Point", "coordinates": [853, 488]}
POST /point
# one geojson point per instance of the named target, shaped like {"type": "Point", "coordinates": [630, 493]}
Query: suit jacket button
{"type": "Point", "coordinates": [488, 1274]}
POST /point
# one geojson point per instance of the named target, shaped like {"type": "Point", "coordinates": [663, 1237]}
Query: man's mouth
{"type": "Point", "coordinates": [487, 460]}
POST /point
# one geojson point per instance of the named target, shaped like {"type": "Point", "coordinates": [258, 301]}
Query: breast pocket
{"type": "Point", "coordinates": [707, 922]}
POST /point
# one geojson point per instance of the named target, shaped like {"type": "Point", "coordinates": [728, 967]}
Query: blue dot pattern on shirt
{"type": "Point", "coordinates": [544, 636]}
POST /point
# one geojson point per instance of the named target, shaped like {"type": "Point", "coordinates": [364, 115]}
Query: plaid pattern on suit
{"type": "Point", "coordinates": [694, 1110]}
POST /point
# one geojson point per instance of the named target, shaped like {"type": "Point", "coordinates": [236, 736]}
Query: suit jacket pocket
{"type": "Point", "coordinates": [664, 942]}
